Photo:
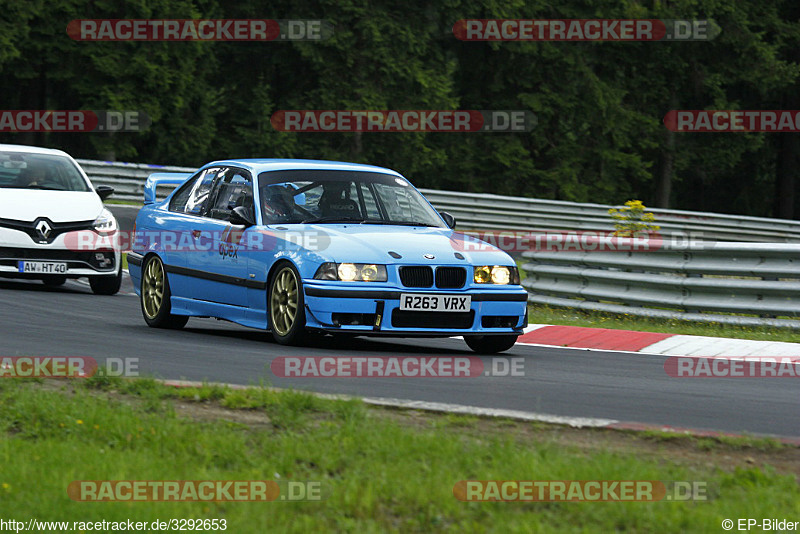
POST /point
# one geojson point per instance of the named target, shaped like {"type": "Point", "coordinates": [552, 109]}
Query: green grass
{"type": "Point", "coordinates": [381, 475]}
{"type": "Point", "coordinates": [764, 444]}
{"type": "Point", "coordinates": [538, 314]}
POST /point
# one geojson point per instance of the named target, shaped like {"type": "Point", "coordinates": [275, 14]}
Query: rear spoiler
{"type": "Point", "coordinates": [162, 178]}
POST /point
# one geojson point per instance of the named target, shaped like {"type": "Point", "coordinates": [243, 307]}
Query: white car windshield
{"type": "Point", "coordinates": [321, 196]}
{"type": "Point", "coordinates": [21, 170]}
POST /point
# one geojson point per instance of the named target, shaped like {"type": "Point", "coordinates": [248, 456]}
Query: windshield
{"type": "Point", "coordinates": [317, 196]}
{"type": "Point", "coordinates": [20, 170]}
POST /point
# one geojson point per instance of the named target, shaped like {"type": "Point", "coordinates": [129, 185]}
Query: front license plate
{"type": "Point", "coordinates": [444, 303]}
{"type": "Point", "coordinates": [42, 267]}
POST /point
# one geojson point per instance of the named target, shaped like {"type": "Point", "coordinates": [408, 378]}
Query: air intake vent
{"type": "Point", "coordinates": [451, 277]}
{"type": "Point", "coordinates": [435, 320]}
{"type": "Point", "coordinates": [416, 276]}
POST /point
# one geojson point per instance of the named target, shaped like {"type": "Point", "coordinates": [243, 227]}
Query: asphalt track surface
{"type": "Point", "coordinates": [70, 321]}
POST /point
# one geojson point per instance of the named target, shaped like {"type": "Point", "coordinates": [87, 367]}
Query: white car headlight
{"type": "Point", "coordinates": [500, 275]}
{"type": "Point", "coordinates": [105, 223]}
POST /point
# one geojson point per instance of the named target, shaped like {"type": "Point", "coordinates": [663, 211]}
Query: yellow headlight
{"type": "Point", "coordinates": [500, 275]}
{"type": "Point", "coordinates": [369, 272]}
{"type": "Point", "coordinates": [482, 274]}
{"type": "Point", "coordinates": [347, 272]}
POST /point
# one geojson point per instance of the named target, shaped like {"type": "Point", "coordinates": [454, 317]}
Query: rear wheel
{"type": "Point", "coordinates": [106, 285]}
{"type": "Point", "coordinates": [490, 344]}
{"type": "Point", "coordinates": [54, 281]}
{"type": "Point", "coordinates": [287, 318]}
{"type": "Point", "coordinates": [155, 297]}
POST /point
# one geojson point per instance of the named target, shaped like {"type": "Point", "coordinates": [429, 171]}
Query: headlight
{"type": "Point", "coordinates": [370, 273]}
{"type": "Point", "coordinates": [105, 223]}
{"type": "Point", "coordinates": [498, 274]}
{"type": "Point", "coordinates": [347, 272]}
{"type": "Point", "coordinates": [351, 272]}
{"type": "Point", "coordinates": [482, 274]}
{"type": "Point", "coordinates": [326, 271]}
{"type": "Point", "coordinates": [501, 275]}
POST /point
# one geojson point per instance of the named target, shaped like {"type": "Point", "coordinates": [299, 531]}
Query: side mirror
{"type": "Point", "coordinates": [449, 219]}
{"type": "Point", "coordinates": [104, 191]}
{"type": "Point", "coordinates": [241, 216]}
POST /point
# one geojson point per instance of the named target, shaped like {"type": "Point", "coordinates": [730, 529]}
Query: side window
{"type": "Point", "coordinates": [399, 204]}
{"type": "Point", "coordinates": [181, 197]}
{"type": "Point", "coordinates": [199, 194]}
{"type": "Point", "coordinates": [234, 189]}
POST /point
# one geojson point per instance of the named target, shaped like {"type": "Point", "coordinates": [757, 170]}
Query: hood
{"type": "Point", "coordinates": [58, 206]}
{"type": "Point", "coordinates": [365, 243]}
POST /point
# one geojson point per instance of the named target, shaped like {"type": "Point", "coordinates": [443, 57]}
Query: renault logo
{"type": "Point", "coordinates": [44, 229]}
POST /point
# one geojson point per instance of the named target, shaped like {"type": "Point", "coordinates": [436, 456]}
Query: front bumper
{"type": "Point", "coordinates": [376, 311]}
{"type": "Point", "coordinates": [79, 263]}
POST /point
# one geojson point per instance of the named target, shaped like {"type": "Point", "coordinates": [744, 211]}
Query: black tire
{"type": "Point", "coordinates": [157, 310]}
{"type": "Point", "coordinates": [490, 344]}
{"type": "Point", "coordinates": [54, 281]}
{"type": "Point", "coordinates": [106, 285]}
{"type": "Point", "coordinates": [285, 292]}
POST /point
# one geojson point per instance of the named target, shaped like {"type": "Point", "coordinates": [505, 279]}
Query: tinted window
{"type": "Point", "coordinates": [195, 205]}
{"type": "Point", "coordinates": [19, 170]}
{"type": "Point", "coordinates": [181, 196]}
{"type": "Point", "coordinates": [234, 189]}
{"type": "Point", "coordinates": [342, 196]}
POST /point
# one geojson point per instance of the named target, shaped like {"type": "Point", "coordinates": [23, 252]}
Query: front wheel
{"type": "Point", "coordinates": [490, 344]}
{"type": "Point", "coordinates": [155, 297]}
{"type": "Point", "coordinates": [287, 318]}
{"type": "Point", "coordinates": [106, 285]}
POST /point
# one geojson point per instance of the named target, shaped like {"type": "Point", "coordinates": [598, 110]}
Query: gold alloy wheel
{"type": "Point", "coordinates": [283, 301]}
{"type": "Point", "coordinates": [153, 288]}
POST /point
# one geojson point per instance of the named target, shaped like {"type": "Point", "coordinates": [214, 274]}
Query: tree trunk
{"type": "Point", "coordinates": [665, 171]}
{"type": "Point", "coordinates": [786, 179]}
{"type": "Point", "coordinates": [664, 187]}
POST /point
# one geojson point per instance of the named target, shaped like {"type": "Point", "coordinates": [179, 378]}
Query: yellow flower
{"type": "Point", "coordinates": [97, 427]}
{"type": "Point", "coordinates": [79, 421]}
{"type": "Point", "coordinates": [6, 486]}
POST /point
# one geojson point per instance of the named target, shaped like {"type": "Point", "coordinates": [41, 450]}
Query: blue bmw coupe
{"type": "Point", "coordinates": [299, 246]}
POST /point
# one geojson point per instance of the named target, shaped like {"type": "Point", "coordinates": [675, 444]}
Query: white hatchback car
{"type": "Point", "coordinates": [53, 225]}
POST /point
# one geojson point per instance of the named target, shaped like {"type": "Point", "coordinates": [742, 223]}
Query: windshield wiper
{"type": "Point", "coordinates": [315, 220]}
{"type": "Point", "coordinates": [411, 223]}
{"type": "Point", "coordinates": [364, 221]}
